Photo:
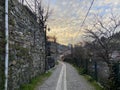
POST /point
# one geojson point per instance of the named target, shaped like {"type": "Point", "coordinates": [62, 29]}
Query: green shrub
{"type": "Point", "coordinates": [92, 81]}
{"type": "Point", "coordinates": [35, 82]}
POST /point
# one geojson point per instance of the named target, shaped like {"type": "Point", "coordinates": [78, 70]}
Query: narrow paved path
{"type": "Point", "coordinates": [65, 77]}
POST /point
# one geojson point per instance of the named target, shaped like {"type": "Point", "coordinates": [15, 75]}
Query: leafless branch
{"type": "Point", "coordinates": [104, 29]}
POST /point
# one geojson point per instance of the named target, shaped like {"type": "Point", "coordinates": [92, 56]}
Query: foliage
{"type": "Point", "coordinates": [12, 22]}
{"type": "Point", "coordinates": [81, 71]}
{"type": "Point", "coordinates": [21, 51]}
{"type": "Point", "coordinates": [114, 80]}
{"type": "Point", "coordinates": [56, 63]}
{"type": "Point", "coordinates": [105, 42]}
{"type": "Point", "coordinates": [93, 82]}
{"type": "Point", "coordinates": [35, 82]}
{"type": "Point", "coordinates": [69, 60]}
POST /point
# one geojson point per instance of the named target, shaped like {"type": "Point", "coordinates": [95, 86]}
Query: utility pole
{"type": "Point", "coordinates": [46, 46]}
{"type": "Point", "coordinates": [72, 52]}
{"type": "Point", "coordinates": [7, 45]}
{"type": "Point", "coordinates": [45, 28]}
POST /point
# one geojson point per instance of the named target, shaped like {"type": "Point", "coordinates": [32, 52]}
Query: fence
{"type": "Point", "coordinates": [99, 70]}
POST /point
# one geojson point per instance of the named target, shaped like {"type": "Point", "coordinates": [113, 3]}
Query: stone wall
{"type": "Point", "coordinates": [27, 45]}
{"type": "Point", "coordinates": [2, 42]}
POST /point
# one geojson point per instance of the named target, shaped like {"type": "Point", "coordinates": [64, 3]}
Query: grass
{"type": "Point", "coordinates": [93, 82]}
{"type": "Point", "coordinates": [56, 62]}
{"type": "Point", "coordinates": [81, 71]}
{"type": "Point", "coordinates": [36, 81]}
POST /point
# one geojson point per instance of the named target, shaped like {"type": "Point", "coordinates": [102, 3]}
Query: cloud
{"type": "Point", "coordinates": [68, 15]}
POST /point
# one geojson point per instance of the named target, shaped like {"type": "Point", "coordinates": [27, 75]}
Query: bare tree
{"type": "Point", "coordinates": [79, 55]}
{"type": "Point", "coordinates": [43, 13]}
{"type": "Point", "coordinates": [102, 33]}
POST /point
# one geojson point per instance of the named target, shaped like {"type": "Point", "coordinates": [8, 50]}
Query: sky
{"type": "Point", "coordinates": [67, 16]}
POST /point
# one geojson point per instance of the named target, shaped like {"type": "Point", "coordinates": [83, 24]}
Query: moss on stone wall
{"type": "Point", "coordinates": [27, 42]}
{"type": "Point", "coordinates": [22, 51]}
{"type": "Point", "coordinates": [12, 22]}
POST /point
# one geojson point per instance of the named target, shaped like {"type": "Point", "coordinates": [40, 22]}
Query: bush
{"type": "Point", "coordinates": [35, 82]}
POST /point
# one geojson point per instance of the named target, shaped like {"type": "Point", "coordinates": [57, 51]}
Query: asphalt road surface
{"type": "Point", "coordinates": [65, 77]}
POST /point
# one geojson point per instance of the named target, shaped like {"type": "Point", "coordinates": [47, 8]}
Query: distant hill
{"type": "Point", "coordinates": [59, 47]}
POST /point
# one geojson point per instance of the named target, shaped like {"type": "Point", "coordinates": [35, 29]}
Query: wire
{"type": "Point", "coordinates": [85, 17]}
{"type": "Point", "coordinates": [87, 13]}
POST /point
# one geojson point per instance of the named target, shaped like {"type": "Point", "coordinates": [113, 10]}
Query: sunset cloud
{"type": "Point", "coordinates": [67, 16]}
